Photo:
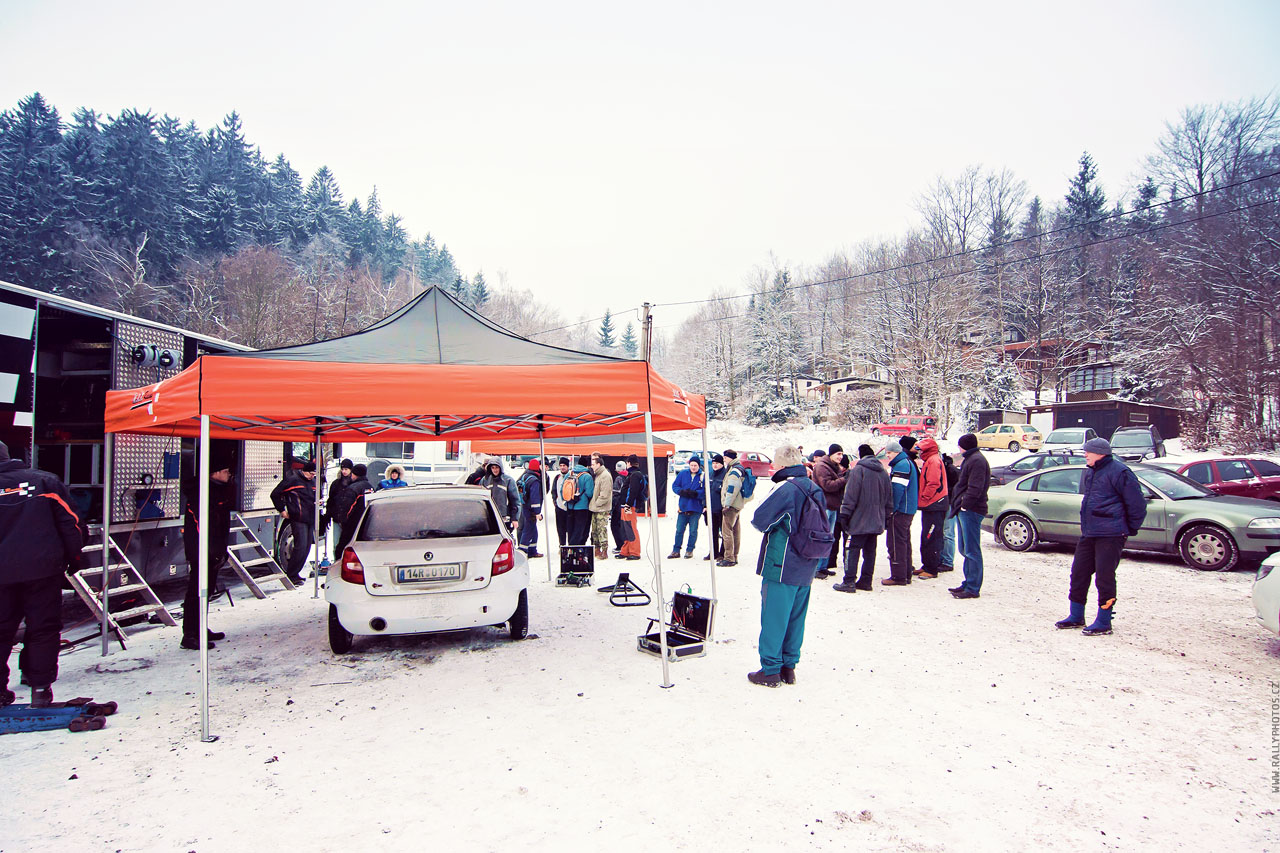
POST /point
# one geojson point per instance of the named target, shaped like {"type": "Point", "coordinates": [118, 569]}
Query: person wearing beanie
{"type": "Point", "coordinates": [601, 505]}
{"type": "Point", "coordinates": [531, 487]}
{"type": "Point", "coordinates": [732, 502]}
{"type": "Point", "coordinates": [786, 575]}
{"type": "Point", "coordinates": [906, 489]}
{"type": "Point", "coordinates": [620, 529]}
{"type": "Point", "coordinates": [908, 443]}
{"type": "Point", "coordinates": [40, 538]}
{"type": "Point", "coordinates": [866, 504]}
{"type": "Point", "coordinates": [864, 450]}
{"type": "Point", "coordinates": [934, 508]}
{"type": "Point", "coordinates": [634, 501]}
{"type": "Point", "coordinates": [294, 498]}
{"type": "Point", "coordinates": [222, 501]}
{"type": "Point", "coordinates": [1112, 510]}
{"type": "Point", "coordinates": [689, 486]}
{"type": "Point", "coordinates": [351, 507]}
{"type": "Point", "coordinates": [332, 512]}
{"type": "Point", "coordinates": [969, 506]}
{"type": "Point", "coordinates": [830, 477]}
{"type": "Point", "coordinates": [557, 500]}
{"type": "Point", "coordinates": [718, 473]}
{"type": "Point", "coordinates": [580, 507]}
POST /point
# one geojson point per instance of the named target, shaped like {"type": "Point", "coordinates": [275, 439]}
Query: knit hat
{"type": "Point", "coordinates": [633, 459]}
{"type": "Point", "coordinates": [309, 466]}
{"type": "Point", "coordinates": [787, 456]}
{"type": "Point", "coordinates": [968, 441]}
{"type": "Point", "coordinates": [1097, 445]}
{"type": "Point", "coordinates": [585, 461]}
{"type": "Point", "coordinates": [907, 442]}
{"type": "Point", "coordinates": [865, 450]}
{"type": "Point", "coordinates": [834, 449]}
{"type": "Point", "coordinates": [621, 466]}
{"type": "Point", "coordinates": [893, 448]}
{"type": "Point", "coordinates": [817, 454]}
{"type": "Point", "coordinates": [731, 454]}
{"type": "Point", "coordinates": [345, 463]}
{"type": "Point", "coordinates": [360, 470]}
{"type": "Point", "coordinates": [716, 457]}
{"type": "Point", "coordinates": [564, 460]}
{"type": "Point", "coordinates": [535, 465]}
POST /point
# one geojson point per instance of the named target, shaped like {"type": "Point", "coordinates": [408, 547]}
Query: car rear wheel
{"type": "Point", "coordinates": [1014, 447]}
{"type": "Point", "coordinates": [1208, 548]}
{"type": "Point", "coordinates": [1017, 532]}
{"type": "Point", "coordinates": [519, 622]}
{"type": "Point", "coordinates": [875, 431]}
{"type": "Point", "coordinates": [340, 639]}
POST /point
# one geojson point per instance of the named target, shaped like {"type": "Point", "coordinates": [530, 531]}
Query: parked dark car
{"type": "Point", "coordinates": [1247, 478]}
{"type": "Point", "coordinates": [1034, 462]}
{"type": "Point", "coordinates": [1137, 443]}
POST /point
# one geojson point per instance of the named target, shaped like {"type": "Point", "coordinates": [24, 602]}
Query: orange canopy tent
{"type": "Point", "coordinates": [432, 369]}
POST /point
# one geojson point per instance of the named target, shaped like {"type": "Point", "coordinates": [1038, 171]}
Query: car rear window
{"type": "Point", "coordinates": [1134, 438]}
{"type": "Point", "coordinates": [1266, 468]}
{"type": "Point", "coordinates": [1066, 436]}
{"type": "Point", "coordinates": [427, 516]}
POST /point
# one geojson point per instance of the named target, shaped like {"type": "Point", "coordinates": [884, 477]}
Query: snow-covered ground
{"type": "Point", "coordinates": [919, 722]}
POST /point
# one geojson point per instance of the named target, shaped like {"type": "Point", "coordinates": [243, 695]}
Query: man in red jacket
{"type": "Point", "coordinates": [933, 508]}
{"type": "Point", "coordinates": [40, 538]}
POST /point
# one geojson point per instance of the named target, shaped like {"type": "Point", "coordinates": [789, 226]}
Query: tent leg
{"type": "Point", "coordinates": [108, 445]}
{"type": "Point", "coordinates": [317, 455]}
{"type": "Point", "coordinates": [711, 520]}
{"type": "Point", "coordinates": [204, 580]}
{"type": "Point", "coordinates": [546, 515]}
{"type": "Point", "coordinates": [657, 551]}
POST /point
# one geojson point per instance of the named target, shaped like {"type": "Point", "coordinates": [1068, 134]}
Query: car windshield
{"type": "Point", "coordinates": [1066, 436]}
{"type": "Point", "coordinates": [1136, 438]}
{"type": "Point", "coordinates": [1026, 463]}
{"type": "Point", "coordinates": [1175, 486]}
{"type": "Point", "coordinates": [427, 516]}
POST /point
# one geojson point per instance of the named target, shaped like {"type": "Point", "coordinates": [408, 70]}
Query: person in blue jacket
{"type": "Point", "coordinates": [579, 508]}
{"type": "Point", "coordinates": [1112, 510]}
{"type": "Point", "coordinates": [785, 576]}
{"type": "Point", "coordinates": [689, 486]}
{"type": "Point", "coordinates": [906, 491]}
{"type": "Point", "coordinates": [394, 479]}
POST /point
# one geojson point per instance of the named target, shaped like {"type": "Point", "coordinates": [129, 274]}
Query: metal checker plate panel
{"type": "Point", "coordinates": [136, 455]}
{"type": "Point", "coordinates": [263, 466]}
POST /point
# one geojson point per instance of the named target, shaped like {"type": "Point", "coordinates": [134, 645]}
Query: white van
{"type": "Point", "coordinates": [424, 462]}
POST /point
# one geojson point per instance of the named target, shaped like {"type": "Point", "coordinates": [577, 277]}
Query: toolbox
{"type": "Point", "coordinates": [577, 565]}
{"type": "Point", "coordinates": [692, 618]}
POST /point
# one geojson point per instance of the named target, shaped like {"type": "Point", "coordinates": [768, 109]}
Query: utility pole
{"type": "Point", "coordinates": [646, 330]}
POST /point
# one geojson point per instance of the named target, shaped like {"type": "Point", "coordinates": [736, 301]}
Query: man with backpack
{"type": "Point", "coordinates": [530, 488]}
{"type": "Point", "coordinates": [577, 488]}
{"type": "Point", "coordinates": [557, 499]}
{"type": "Point", "coordinates": [739, 487]}
{"type": "Point", "coordinates": [797, 540]}
{"type": "Point", "coordinates": [867, 503]}
{"type": "Point", "coordinates": [906, 487]}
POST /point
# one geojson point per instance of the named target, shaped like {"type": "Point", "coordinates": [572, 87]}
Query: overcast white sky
{"type": "Point", "coordinates": [602, 156]}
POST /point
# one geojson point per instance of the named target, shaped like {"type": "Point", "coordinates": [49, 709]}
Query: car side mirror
{"type": "Point", "coordinates": [1148, 495]}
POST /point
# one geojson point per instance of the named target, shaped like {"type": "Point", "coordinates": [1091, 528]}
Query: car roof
{"type": "Point", "coordinates": [446, 489]}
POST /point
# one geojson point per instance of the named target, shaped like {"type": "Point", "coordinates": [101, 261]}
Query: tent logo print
{"type": "Point", "coordinates": [678, 397]}
{"type": "Point", "coordinates": [144, 399]}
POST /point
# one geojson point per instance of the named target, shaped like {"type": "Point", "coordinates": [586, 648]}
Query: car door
{"type": "Point", "coordinates": [1268, 474]}
{"type": "Point", "coordinates": [1055, 504]}
{"type": "Point", "coordinates": [987, 437]}
{"type": "Point", "coordinates": [1154, 534]}
{"type": "Point", "coordinates": [1236, 478]}
{"type": "Point", "coordinates": [1004, 436]}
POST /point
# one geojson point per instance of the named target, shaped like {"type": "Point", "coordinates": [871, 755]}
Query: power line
{"type": "Point", "coordinates": [1017, 241]}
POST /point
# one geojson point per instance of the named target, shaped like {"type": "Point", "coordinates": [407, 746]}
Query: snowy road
{"type": "Point", "coordinates": [918, 722]}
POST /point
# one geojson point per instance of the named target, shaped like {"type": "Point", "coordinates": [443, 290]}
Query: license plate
{"type": "Point", "coordinates": [434, 572]}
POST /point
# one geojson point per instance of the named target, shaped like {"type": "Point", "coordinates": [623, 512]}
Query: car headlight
{"type": "Point", "coordinates": [1150, 454]}
{"type": "Point", "coordinates": [1267, 565]}
{"type": "Point", "coordinates": [1265, 524]}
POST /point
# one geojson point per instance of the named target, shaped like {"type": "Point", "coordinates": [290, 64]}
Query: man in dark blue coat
{"type": "Point", "coordinates": [1112, 510]}
{"type": "Point", "coordinates": [40, 538]}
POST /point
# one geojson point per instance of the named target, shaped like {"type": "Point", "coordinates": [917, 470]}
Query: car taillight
{"type": "Point", "coordinates": [504, 559]}
{"type": "Point", "coordinates": [352, 568]}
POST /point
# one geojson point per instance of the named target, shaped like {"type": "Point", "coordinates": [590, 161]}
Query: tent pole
{"type": "Point", "coordinates": [108, 445]}
{"type": "Point", "coordinates": [546, 519]}
{"type": "Point", "coordinates": [204, 580]}
{"type": "Point", "coordinates": [317, 455]}
{"type": "Point", "coordinates": [711, 519]}
{"type": "Point", "coordinates": [657, 551]}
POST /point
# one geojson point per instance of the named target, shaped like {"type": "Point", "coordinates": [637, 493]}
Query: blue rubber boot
{"type": "Point", "coordinates": [1075, 619]}
{"type": "Point", "coordinates": [1101, 625]}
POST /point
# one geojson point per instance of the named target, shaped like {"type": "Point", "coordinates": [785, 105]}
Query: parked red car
{"type": "Point", "coordinates": [759, 464]}
{"type": "Point", "coordinates": [1245, 478]}
{"type": "Point", "coordinates": [918, 425]}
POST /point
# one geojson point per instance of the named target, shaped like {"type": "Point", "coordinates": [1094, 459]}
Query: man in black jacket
{"type": "Point", "coordinates": [969, 506]}
{"type": "Point", "coordinates": [332, 506]}
{"type": "Point", "coordinates": [40, 538]}
{"type": "Point", "coordinates": [222, 500]}
{"type": "Point", "coordinates": [867, 502]}
{"type": "Point", "coordinates": [294, 498]}
{"type": "Point", "coordinates": [351, 507]}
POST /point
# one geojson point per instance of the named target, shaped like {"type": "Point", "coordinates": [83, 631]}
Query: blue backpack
{"type": "Point", "coordinates": [812, 538]}
{"type": "Point", "coordinates": [748, 483]}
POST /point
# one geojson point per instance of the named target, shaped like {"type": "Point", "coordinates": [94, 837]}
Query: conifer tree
{"type": "Point", "coordinates": [607, 338]}
{"type": "Point", "coordinates": [629, 343]}
{"type": "Point", "coordinates": [479, 292]}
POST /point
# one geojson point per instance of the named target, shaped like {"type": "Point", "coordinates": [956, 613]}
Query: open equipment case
{"type": "Point", "coordinates": [692, 618]}
{"type": "Point", "coordinates": [577, 565]}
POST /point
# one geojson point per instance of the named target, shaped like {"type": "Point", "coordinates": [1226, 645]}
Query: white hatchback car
{"type": "Point", "coordinates": [427, 559]}
{"type": "Point", "coordinates": [1266, 593]}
